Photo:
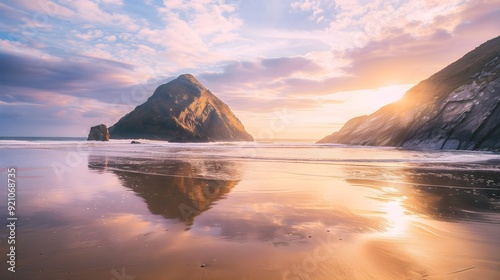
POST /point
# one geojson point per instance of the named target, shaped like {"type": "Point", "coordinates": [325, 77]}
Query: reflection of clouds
{"type": "Point", "coordinates": [123, 227]}
{"type": "Point", "coordinates": [43, 190]}
{"type": "Point", "coordinates": [372, 230]}
{"type": "Point", "coordinates": [294, 222]}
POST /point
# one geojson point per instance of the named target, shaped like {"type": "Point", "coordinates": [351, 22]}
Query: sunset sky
{"type": "Point", "coordinates": [287, 69]}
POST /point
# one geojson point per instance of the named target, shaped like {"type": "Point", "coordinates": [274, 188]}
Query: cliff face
{"type": "Point", "coordinates": [456, 108]}
{"type": "Point", "coordinates": [181, 110]}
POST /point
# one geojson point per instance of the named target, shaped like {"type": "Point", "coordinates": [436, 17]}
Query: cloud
{"type": "Point", "coordinates": [92, 12]}
{"type": "Point", "coordinates": [110, 38]}
{"type": "Point", "coordinates": [46, 7]}
{"type": "Point", "coordinates": [30, 111]}
{"type": "Point", "coordinates": [83, 76]}
{"type": "Point", "coordinates": [255, 55]}
{"type": "Point", "coordinates": [24, 119]}
{"type": "Point", "coordinates": [112, 2]}
{"type": "Point", "coordinates": [89, 35]}
{"type": "Point", "coordinates": [257, 105]}
{"type": "Point", "coordinates": [83, 10]}
{"type": "Point", "coordinates": [11, 15]}
{"type": "Point", "coordinates": [193, 31]}
{"type": "Point", "coordinates": [319, 9]}
{"type": "Point", "coordinates": [400, 57]}
{"type": "Point", "coordinates": [261, 71]}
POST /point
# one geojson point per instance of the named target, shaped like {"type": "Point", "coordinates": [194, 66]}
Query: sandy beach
{"type": "Point", "coordinates": [261, 211]}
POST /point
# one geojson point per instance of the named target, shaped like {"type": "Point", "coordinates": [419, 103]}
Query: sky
{"type": "Point", "coordinates": [288, 69]}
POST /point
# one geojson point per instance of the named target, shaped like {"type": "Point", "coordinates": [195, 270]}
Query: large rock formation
{"type": "Point", "coordinates": [182, 110]}
{"type": "Point", "coordinates": [98, 133]}
{"type": "Point", "coordinates": [456, 108]}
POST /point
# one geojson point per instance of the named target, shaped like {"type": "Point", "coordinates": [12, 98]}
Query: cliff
{"type": "Point", "coordinates": [456, 108]}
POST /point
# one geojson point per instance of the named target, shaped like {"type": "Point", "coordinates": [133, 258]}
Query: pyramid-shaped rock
{"type": "Point", "coordinates": [182, 110]}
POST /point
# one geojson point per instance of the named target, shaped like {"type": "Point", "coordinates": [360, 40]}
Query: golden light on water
{"type": "Point", "coordinates": [396, 217]}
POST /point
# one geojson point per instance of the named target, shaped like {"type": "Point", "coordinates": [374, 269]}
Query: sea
{"type": "Point", "coordinates": [282, 209]}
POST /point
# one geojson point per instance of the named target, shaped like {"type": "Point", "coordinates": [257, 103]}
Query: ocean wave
{"type": "Point", "coordinates": [278, 151]}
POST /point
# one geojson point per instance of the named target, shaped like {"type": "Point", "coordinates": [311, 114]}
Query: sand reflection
{"type": "Point", "coordinates": [313, 221]}
{"type": "Point", "coordinates": [396, 218]}
{"type": "Point", "coordinates": [443, 194]}
{"type": "Point", "coordinates": [431, 213]}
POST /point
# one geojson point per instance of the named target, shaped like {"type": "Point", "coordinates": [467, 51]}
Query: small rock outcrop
{"type": "Point", "coordinates": [182, 110]}
{"type": "Point", "coordinates": [457, 108]}
{"type": "Point", "coordinates": [98, 133]}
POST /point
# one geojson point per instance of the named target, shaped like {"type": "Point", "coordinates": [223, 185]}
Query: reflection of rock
{"type": "Point", "coordinates": [453, 194]}
{"type": "Point", "coordinates": [443, 194]}
{"type": "Point", "coordinates": [98, 133]}
{"type": "Point", "coordinates": [102, 166]}
{"type": "Point", "coordinates": [173, 189]}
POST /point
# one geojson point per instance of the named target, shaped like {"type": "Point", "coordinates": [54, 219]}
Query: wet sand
{"type": "Point", "coordinates": [206, 212]}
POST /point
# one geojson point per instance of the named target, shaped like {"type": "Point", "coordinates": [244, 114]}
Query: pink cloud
{"type": "Point", "coordinates": [82, 10]}
{"type": "Point", "coordinates": [47, 7]}
{"type": "Point", "coordinates": [400, 57]}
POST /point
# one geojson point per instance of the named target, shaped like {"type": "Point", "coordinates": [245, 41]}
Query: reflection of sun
{"type": "Point", "coordinates": [396, 217]}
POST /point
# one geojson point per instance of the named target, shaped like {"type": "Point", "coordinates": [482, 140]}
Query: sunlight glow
{"type": "Point", "coordinates": [390, 94]}
{"type": "Point", "coordinates": [396, 218]}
